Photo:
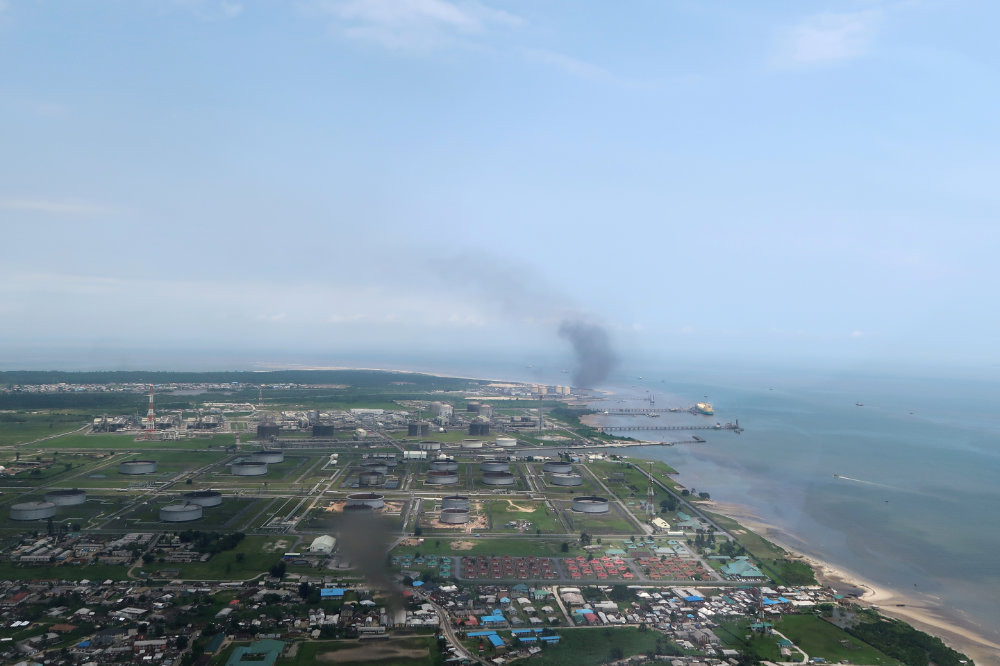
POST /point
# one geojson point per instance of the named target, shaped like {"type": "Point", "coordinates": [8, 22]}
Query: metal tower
{"type": "Point", "coordinates": [150, 417]}
{"type": "Point", "coordinates": [650, 496]}
{"type": "Point", "coordinates": [260, 395]}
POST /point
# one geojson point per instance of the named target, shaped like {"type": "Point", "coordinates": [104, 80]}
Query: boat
{"type": "Point", "coordinates": [704, 408]}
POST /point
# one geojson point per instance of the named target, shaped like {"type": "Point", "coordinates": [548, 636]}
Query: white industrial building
{"type": "Point", "coordinates": [323, 544]}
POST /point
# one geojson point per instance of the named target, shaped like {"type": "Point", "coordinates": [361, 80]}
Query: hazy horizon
{"type": "Point", "coordinates": [771, 183]}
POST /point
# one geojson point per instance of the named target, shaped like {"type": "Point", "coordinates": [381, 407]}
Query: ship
{"type": "Point", "coordinates": [704, 408]}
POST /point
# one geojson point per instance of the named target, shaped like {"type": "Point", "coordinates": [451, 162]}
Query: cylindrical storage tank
{"type": "Point", "coordinates": [479, 428]}
{"type": "Point", "coordinates": [557, 467]}
{"type": "Point", "coordinates": [454, 516]}
{"type": "Point", "coordinates": [566, 480]}
{"type": "Point", "coordinates": [413, 430]}
{"type": "Point", "coordinates": [137, 467]}
{"type": "Point", "coordinates": [370, 479]}
{"type": "Point", "coordinates": [249, 468]}
{"type": "Point", "coordinates": [430, 446]}
{"type": "Point", "coordinates": [204, 497]}
{"type": "Point", "coordinates": [321, 430]}
{"type": "Point", "coordinates": [268, 456]}
{"type": "Point", "coordinates": [32, 511]}
{"type": "Point", "coordinates": [66, 497]}
{"type": "Point", "coordinates": [391, 463]}
{"type": "Point", "coordinates": [374, 466]}
{"type": "Point", "coordinates": [498, 478]}
{"type": "Point", "coordinates": [455, 502]}
{"type": "Point", "coordinates": [495, 466]}
{"type": "Point", "coordinates": [267, 430]}
{"type": "Point", "coordinates": [444, 465]}
{"type": "Point", "coordinates": [370, 500]}
{"type": "Point", "coordinates": [438, 477]}
{"type": "Point", "coordinates": [180, 513]}
{"type": "Point", "coordinates": [506, 442]}
{"type": "Point", "coordinates": [357, 507]}
{"type": "Point", "coordinates": [472, 444]}
{"type": "Point", "coordinates": [591, 504]}
{"type": "Point", "coordinates": [472, 407]}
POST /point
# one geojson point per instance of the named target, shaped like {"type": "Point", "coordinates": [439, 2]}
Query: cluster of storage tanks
{"type": "Point", "coordinates": [562, 474]}
{"type": "Point", "coordinates": [190, 507]}
{"type": "Point", "coordinates": [41, 510]}
{"type": "Point", "coordinates": [455, 510]}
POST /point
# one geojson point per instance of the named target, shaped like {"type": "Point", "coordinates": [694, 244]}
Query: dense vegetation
{"type": "Point", "coordinates": [911, 646]}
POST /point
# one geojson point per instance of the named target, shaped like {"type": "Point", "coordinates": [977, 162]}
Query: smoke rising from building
{"type": "Point", "coordinates": [595, 357]}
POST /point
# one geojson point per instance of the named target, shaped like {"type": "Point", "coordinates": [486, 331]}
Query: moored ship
{"type": "Point", "coordinates": [704, 408]}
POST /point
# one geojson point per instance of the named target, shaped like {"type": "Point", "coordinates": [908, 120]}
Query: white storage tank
{"type": "Point", "coordinates": [204, 497]}
{"type": "Point", "coordinates": [557, 467]}
{"type": "Point", "coordinates": [498, 478]}
{"type": "Point", "coordinates": [591, 504]}
{"type": "Point", "coordinates": [249, 468]}
{"type": "Point", "coordinates": [32, 511]}
{"type": "Point", "coordinates": [137, 467]}
{"type": "Point", "coordinates": [506, 442]}
{"type": "Point", "coordinates": [455, 516]}
{"type": "Point", "coordinates": [430, 446]}
{"type": "Point", "coordinates": [268, 456]}
{"type": "Point", "coordinates": [66, 497]}
{"type": "Point", "coordinates": [367, 500]}
{"type": "Point", "coordinates": [374, 466]}
{"type": "Point", "coordinates": [495, 466]}
{"type": "Point", "coordinates": [447, 465]}
{"type": "Point", "coordinates": [439, 477]}
{"type": "Point", "coordinates": [370, 479]}
{"type": "Point", "coordinates": [566, 480]}
{"type": "Point", "coordinates": [471, 444]}
{"type": "Point", "coordinates": [455, 502]}
{"type": "Point", "coordinates": [180, 513]}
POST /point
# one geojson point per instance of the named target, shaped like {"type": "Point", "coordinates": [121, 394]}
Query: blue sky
{"type": "Point", "coordinates": [766, 180]}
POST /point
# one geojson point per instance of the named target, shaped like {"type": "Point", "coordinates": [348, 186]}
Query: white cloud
{"type": "Point", "coordinates": [828, 38]}
{"type": "Point", "coordinates": [574, 66]}
{"type": "Point", "coordinates": [411, 24]}
{"type": "Point", "coordinates": [53, 207]}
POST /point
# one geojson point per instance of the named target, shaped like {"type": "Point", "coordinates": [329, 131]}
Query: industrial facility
{"type": "Point", "coordinates": [249, 468]}
{"type": "Point", "coordinates": [204, 498]}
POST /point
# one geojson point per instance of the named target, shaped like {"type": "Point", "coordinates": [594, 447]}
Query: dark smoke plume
{"type": "Point", "coordinates": [595, 359]}
{"type": "Point", "coordinates": [365, 539]}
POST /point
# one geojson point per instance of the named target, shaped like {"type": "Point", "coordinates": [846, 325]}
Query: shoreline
{"type": "Point", "coordinates": [956, 631]}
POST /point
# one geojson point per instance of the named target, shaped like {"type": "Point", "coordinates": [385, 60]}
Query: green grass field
{"type": "Point", "coordinates": [502, 511]}
{"type": "Point", "coordinates": [819, 638]}
{"type": "Point", "coordinates": [128, 442]}
{"type": "Point", "coordinates": [258, 554]}
{"type": "Point", "coordinates": [591, 646]}
{"type": "Point", "coordinates": [18, 427]}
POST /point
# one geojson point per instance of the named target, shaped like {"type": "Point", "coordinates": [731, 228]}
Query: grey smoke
{"type": "Point", "coordinates": [595, 357]}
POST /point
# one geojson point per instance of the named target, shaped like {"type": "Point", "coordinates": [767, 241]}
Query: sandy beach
{"type": "Point", "coordinates": [951, 625]}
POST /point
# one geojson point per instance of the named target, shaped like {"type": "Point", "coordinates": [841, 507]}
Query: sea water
{"type": "Point", "coordinates": [914, 505]}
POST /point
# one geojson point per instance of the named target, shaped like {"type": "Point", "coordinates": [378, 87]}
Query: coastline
{"type": "Point", "coordinates": [955, 630]}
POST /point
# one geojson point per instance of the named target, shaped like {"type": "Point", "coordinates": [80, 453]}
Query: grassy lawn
{"type": "Point", "coordinates": [502, 511]}
{"type": "Point", "coordinates": [819, 638]}
{"type": "Point", "coordinates": [584, 646]}
{"type": "Point", "coordinates": [12, 571]}
{"type": "Point", "coordinates": [26, 426]}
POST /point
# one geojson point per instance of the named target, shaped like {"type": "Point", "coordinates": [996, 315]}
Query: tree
{"type": "Point", "coordinates": [565, 547]}
{"type": "Point", "coordinates": [278, 570]}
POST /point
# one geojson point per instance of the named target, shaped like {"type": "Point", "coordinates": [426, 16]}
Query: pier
{"type": "Point", "coordinates": [735, 427]}
{"type": "Point", "coordinates": [639, 411]}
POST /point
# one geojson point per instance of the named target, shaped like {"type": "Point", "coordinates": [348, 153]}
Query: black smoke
{"type": "Point", "coordinates": [595, 357]}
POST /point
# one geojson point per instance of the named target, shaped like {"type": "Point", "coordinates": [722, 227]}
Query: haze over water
{"type": "Point", "coordinates": [918, 509]}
